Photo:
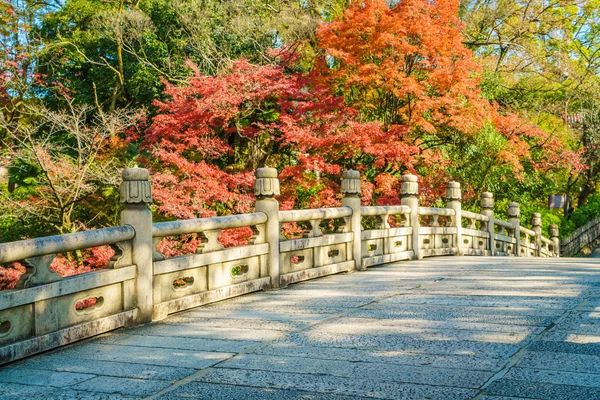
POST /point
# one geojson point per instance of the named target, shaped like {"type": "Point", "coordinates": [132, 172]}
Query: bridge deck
{"type": "Point", "coordinates": [444, 328]}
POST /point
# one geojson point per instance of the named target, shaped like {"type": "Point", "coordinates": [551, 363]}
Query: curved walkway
{"type": "Point", "coordinates": [443, 328]}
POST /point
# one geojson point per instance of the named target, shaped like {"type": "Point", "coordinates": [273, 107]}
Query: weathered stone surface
{"type": "Point", "coordinates": [562, 362]}
{"type": "Point", "coordinates": [58, 363]}
{"type": "Point", "coordinates": [202, 390]}
{"type": "Point", "coordinates": [175, 342]}
{"type": "Point", "coordinates": [363, 370]}
{"type": "Point", "coordinates": [442, 316]}
{"type": "Point", "coordinates": [566, 347]}
{"type": "Point", "coordinates": [371, 327]}
{"type": "Point", "coordinates": [336, 385]}
{"type": "Point", "coordinates": [247, 314]}
{"type": "Point", "coordinates": [554, 377]}
{"type": "Point", "coordinates": [10, 391]}
{"type": "Point", "coordinates": [141, 355]}
{"type": "Point", "coordinates": [504, 398]}
{"type": "Point", "coordinates": [123, 386]}
{"type": "Point", "coordinates": [42, 377]}
{"type": "Point", "coordinates": [394, 343]}
{"type": "Point", "coordinates": [526, 304]}
{"type": "Point", "coordinates": [195, 331]}
{"type": "Point", "coordinates": [384, 356]}
{"type": "Point", "coordinates": [546, 391]}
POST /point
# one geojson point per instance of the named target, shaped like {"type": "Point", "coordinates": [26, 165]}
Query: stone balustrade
{"type": "Point", "coordinates": [586, 236]}
{"type": "Point", "coordinates": [141, 284]}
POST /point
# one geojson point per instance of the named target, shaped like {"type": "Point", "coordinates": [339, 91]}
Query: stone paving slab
{"type": "Point", "coordinates": [177, 342]}
{"type": "Point", "coordinates": [545, 391]}
{"type": "Point", "coordinates": [203, 390]}
{"type": "Point", "coordinates": [247, 314]}
{"type": "Point", "coordinates": [517, 309]}
{"type": "Point", "coordinates": [192, 329]}
{"type": "Point", "coordinates": [528, 303]}
{"type": "Point", "coordinates": [384, 356]}
{"type": "Point", "coordinates": [554, 377]}
{"type": "Point", "coordinates": [440, 315]}
{"type": "Point", "coordinates": [363, 370]}
{"type": "Point", "coordinates": [237, 323]}
{"type": "Point", "coordinates": [142, 355]}
{"type": "Point", "coordinates": [9, 391]}
{"type": "Point", "coordinates": [397, 343]}
{"type": "Point", "coordinates": [337, 385]}
{"type": "Point", "coordinates": [448, 328]}
{"type": "Point", "coordinates": [42, 377]}
{"type": "Point", "coordinates": [417, 333]}
{"type": "Point", "coordinates": [427, 325]}
{"type": "Point", "coordinates": [116, 369]}
{"type": "Point", "coordinates": [123, 386]}
{"type": "Point", "coordinates": [566, 347]}
{"type": "Point", "coordinates": [562, 362]}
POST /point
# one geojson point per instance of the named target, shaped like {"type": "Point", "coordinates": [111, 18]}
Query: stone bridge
{"type": "Point", "coordinates": [387, 320]}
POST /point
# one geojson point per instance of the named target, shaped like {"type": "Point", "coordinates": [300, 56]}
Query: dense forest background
{"type": "Point", "coordinates": [502, 96]}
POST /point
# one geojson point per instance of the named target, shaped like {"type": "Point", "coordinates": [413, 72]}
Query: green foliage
{"type": "Point", "coordinates": [581, 216]}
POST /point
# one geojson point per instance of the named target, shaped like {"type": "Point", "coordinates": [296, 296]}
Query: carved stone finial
{"type": "Point", "coordinates": [267, 183]}
{"type": "Point", "coordinates": [410, 186]}
{"type": "Point", "coordinates": [514, 211]}
{"type": "Point", "coordinates": [136, 187]}
{"type": "Point", "coordinates": [351, 183]}
{"type": "Point", "coordinates": [553, 230]}
{"type": "Point", "coordinates": [453, 191]}
{"type": "Point", "coordinates": [487, 200]}
{"type": "Point", "coordinates": [536, 219]}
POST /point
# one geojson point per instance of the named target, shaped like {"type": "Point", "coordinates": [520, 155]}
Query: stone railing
{"type": "Point", "coordinates": [141, 284]}
{"type": "Point", "coordinates": [586, 236]}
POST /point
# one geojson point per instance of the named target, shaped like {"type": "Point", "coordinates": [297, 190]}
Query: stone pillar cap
{"type": "Point", "coordinates": [409, 178]}
{"type": "Point", "coordinates": [135, 174]}
{"type": "Point", "coordinates": [136, 187]}
{"type": "Point", "coordinates": [266, 183]}
{"type": "Point", "coordinates": [351, 174]}
{"type": "Point", "coordinates": [351, 183]}
{"type": "Point", "coordinates": [487, 195]}
{"type": "Point", "coordinates": [453, 184]}
{"type": "Point", "coordinates": [266, 172]}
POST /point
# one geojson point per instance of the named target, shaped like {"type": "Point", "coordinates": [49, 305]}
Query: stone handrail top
{"type": "Point", "coordinates": [528, 231]}
{"type": "Point", "coordinates": [384, 210]}
{"type": "Point", "coordinates": [546, 240]}
{"type": "Point", "coordinates": [315, 214]}
{"type": "Point", "coordinates": [504, 224]}
{"type": "Point", "coordinates": [475, 216]}
{"type": "Point", "coordinates": [16, 251]}
{"type": "Point", "coordinates": [182, 227]}
{"type": "Point", "coordinates": [444, 212]}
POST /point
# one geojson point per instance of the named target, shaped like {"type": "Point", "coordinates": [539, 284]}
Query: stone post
{"type": "Point", "coordinates": [553, 230]}
{"type": "Point", "coordinates": [409, 192]}
{"type": "Point", "coordinates": [514, 211]}
{"type": "Point", "coordinates": [453, 201]}
{"type": "Point", "coordinates": [266, 187]}
{"type": "Point", "coordinates": [136, 193]}
{"type": "Point", "coordinates": [536, 226]}
{"type": "Point", "coordinates": [486, 202]}
{"type": "Point", "coordinates": [351, 192]}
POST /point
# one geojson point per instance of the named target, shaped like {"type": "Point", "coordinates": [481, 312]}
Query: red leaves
{"type": "Point", "coordinates": [211, 134]}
